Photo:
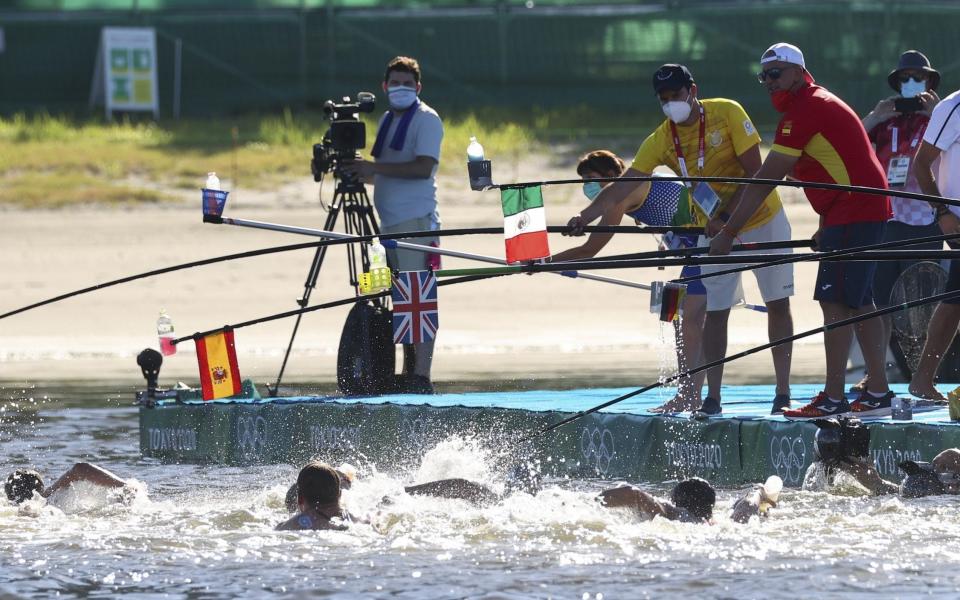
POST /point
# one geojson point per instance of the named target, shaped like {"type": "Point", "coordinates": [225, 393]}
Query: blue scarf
{"type": "Point", "coordinates": [400, 135]}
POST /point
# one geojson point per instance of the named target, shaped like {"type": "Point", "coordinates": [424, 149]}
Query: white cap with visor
{"type": "Point", "coordinates": [788, 53]}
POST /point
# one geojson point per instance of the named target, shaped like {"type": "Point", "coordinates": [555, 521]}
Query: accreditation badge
{"type": "Point", "coordinates": [897, 171]}
{"type": "Point", "coordinates": [706, 199]}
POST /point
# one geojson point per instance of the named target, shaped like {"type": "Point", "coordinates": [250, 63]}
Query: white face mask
{"type": "Point", "coordinates": [401, 97]}
{"type": "Point", "coordinates": [677, 111]}
{"type": "Point", "coordinates": [591, 190]}
{"type": "Point", "coordinates": [912, 88]}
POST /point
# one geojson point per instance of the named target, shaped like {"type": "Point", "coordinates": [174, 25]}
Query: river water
{"type": "Point", "coordinates": [206, 531]}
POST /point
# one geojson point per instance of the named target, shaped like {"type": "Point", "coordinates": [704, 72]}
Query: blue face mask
{"type": "Point", "coordinates": [591, 190]}
{"type": "Point", "coordinates": [912, 88]}
{"type": "Point", "coordinates": [401, 97]}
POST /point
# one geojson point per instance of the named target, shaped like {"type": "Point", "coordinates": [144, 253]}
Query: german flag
{"type": "Point", "coordinates": [219, 373]}
{"type": "Point", "coordinates": [673, 296]}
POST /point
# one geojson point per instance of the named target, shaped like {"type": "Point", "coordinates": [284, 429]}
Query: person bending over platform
{"type": "Point", "coordinates": [22, 483]}
{"type": "Point", "coordinates": [656, 204]}
{"type": "Point", "coordinates": [318, 500]}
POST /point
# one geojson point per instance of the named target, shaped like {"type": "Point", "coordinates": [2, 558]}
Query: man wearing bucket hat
{"type": "Point", "coordinates": [896, 128]}
{"type": "Point", "coordinates": [820, 139]}
{"type": "Point", "coordinates": [712, 137]}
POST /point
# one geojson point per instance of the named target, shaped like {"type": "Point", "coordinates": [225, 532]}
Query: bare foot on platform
{"type": "Point", "coordinates": [926, 392]}
{"type": "Point", "coordinates": [677, 404]}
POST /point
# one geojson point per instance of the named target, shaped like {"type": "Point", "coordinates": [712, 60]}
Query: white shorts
{"type": "Point", "coordinates": [776, 283]}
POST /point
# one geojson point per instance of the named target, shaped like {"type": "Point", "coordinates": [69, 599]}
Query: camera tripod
{"type": "Point", "coordinates": [349, 197]}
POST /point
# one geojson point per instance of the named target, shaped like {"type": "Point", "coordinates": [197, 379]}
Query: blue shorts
{"type": "Point", "coordinates": [695, 288]}
{"type": "Point", "coordinates": [847, 282]}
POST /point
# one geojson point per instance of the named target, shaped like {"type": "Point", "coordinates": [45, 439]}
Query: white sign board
{"type": "Point", "coordinates": [129, 66]}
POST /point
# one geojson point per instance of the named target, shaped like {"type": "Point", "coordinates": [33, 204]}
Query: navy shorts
{"type": "Point", "coordinates": [888, 271]}
{"type": "Point", "coordinates": [849, 282]}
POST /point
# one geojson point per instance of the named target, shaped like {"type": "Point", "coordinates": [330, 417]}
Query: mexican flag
{"type": "Point", "coordinates": [524, 224]}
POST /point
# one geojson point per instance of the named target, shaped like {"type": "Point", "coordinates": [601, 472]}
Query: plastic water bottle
{"type": "Point", "coordinates": [378, 254]}
{"type": "Point", "coordinates": [474, 150]}
{"type": "Point", "coordinates": [213, 182]}
{"type": "Point", "coordinates": [771, 489]}
{"type": "Point", "coordinates": [165, 333]}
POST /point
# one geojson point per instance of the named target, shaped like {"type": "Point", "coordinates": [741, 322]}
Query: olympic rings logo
{"type": "Point", "coordinates": [251, 435]}
{"type": "Point", "coordinates": [788, 456]}
{"type": "Point", "coordinates": [597, 448]}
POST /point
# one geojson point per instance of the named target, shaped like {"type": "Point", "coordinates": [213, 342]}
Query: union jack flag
{"type": "Point", "coordinates": [415, 318]}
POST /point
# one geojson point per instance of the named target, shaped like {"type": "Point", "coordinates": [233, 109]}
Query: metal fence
{"type": "Point", "coordinates": [253, 55]}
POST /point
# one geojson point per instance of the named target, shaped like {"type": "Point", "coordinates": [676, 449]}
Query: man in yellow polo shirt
{"type": "Point", "coordinates": [713, 137]}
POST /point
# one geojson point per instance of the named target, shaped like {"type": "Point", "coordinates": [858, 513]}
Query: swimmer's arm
{"type": "Point", "coordinates": [86, 472]}
{"type": "Point", "coordinates": [867, 476]}
{"type": "Point", "coordinates": [642, 502]}
{"type": "Point", "coordinates": [455, 489]}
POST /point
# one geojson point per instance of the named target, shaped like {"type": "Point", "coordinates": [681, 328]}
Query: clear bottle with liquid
{"type": "Point", "coordinates": [378, 254]}
{"type": "Point", "coordinates": [213, 182]}
{"type": "Point", "coordinates": [474, 150]}
{"type": "Point", "coordinates": [165, 333]}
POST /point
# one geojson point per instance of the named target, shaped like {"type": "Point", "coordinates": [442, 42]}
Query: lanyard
{"type": "Point", "coordinates": [701, 148]}
{"type": "Point", "coordinates": [895, 138]}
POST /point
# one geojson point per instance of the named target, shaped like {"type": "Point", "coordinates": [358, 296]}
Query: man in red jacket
{"type": "Point", "coordinates": [821, 139]}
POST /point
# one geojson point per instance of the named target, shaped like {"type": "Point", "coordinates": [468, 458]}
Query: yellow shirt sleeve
{"type": "Point", "coordinates": [650, 154]}
{"type": "Point", "coordinates": [742, 132]}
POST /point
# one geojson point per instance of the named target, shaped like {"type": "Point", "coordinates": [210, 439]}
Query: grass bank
{"type": "Point", "coordinates": [49, 161]}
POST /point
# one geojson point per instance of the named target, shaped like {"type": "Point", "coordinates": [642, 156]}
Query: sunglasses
{"type": "Point", "coordinates": [772, 74]}
{"type": "Point", "coordinates": [917, 78]}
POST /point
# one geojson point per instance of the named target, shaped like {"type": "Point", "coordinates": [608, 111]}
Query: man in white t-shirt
{"type": "Point", "coordinates": [404, 170]}
{"type": "Point", "coordinates": [941, 140]}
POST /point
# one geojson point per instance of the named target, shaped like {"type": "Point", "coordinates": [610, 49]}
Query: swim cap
{"type": "Point", "coordinates": [21, 484]}
{"type": "Point", "coordinates": [696, 496]}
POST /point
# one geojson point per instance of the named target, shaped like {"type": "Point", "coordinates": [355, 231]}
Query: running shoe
{"type": "Point", "coordinates": [781, 402]}
{"type": "Point", "coordinates": [867, 406]}
{"type": "Point", "coordinates": [821, 406]}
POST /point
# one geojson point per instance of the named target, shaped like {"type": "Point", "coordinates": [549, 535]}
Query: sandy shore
{"type": "Point", "coordinates": [513, 328]}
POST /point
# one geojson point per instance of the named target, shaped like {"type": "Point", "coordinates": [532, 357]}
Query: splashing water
{"type": "Point", "coordinates": [207, 531]}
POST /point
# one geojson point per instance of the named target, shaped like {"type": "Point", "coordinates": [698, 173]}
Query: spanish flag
{"type": "Point", "coordinates": [219, 374]}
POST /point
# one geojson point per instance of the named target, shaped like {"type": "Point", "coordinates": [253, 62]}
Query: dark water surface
{"type": "Point", "coordinates": [207, 531]}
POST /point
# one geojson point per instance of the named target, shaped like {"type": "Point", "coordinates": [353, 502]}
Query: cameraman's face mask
{"type": "Point", "coordinates": [401, 97]}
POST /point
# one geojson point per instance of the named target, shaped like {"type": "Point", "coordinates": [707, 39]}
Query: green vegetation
{"type": "Point", "coordinates": [54, 161]}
